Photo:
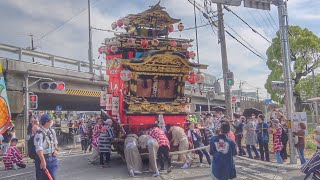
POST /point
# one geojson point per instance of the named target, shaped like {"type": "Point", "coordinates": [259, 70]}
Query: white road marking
{"type": "Point", "coordinates": [14, 175]}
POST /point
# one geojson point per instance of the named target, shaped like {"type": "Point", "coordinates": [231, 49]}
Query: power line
{"type": "Point", "coordinates": [263, 19]}
{"type": "Point", "coordinates": [65, 22]}
{"type": "Point", "coordinates": [273, 20]}
{"type": "Point", "coordinates": [244, 40]}
{"type": "Point", "coordinates": [255, 31]}
{"type": "Point", "coordinates": [211, 18]}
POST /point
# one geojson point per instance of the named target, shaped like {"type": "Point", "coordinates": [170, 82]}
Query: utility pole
{"type": "Point", "coordinates": [283, 25]}
{"type": "Point", "coordinates": [90, 40]}
{"type": "Point", "coordinates": [26, 110]}
{"type": "Point", "coordinates": [32, 47]}
{"type": "Point", "coordinates": [315, 95]}
{"type": "Point", "coordinates": [258, 94]}
{"type": "Point", "coordinates": [224, 57]}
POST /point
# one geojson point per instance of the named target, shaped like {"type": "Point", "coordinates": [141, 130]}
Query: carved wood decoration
{"type": "Point", "coordinates": [144, 87]}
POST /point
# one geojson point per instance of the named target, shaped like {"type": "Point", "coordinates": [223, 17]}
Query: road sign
{"type": "Point", "coordinates": [234, 99]}
{"type": "Point", "coordinates": [210, 95]}
{"type": "Point", "coordinates": [277, 86]}
{"type": "Point", "coordinates": [103, 98]}
{"type": "Point", "coordinates": [268, 101]}
{"type": "Point", "coordinates": [258, 4]}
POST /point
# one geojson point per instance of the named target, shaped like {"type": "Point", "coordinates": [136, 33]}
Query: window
{"type": "Point", "coordinates": [144, 87]}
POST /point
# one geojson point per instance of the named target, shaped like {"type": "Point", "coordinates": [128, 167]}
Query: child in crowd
{"type": "Point", "coordinates": [105, 139]}
{"type": "Point", "coordinates": [12, 158]}
{"type": "Point", "coordinates": [316, 137]}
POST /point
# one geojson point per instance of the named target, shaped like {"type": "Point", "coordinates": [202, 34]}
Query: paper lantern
{"type": "Point", "coordinates": [171, 28]}
{"type": "Point", "coordinates": [199, 78]}
{"type": "Point", "coordinates": [126, 75]}
{"type": "Point", "coordinates": [191, 78]}
{"type": "Point", "coordinates": [192, 54]}
{"type": "Point", "coordinates": [173, 43]}
{"type": "Point", "coordinates": [126, 21]}
{"type": "Point", "coordinates": [107, 49]}
{"type": "Point", "coordinates": [101, 49]}
{"type": "Point", "coordinates": [114, 49]}
{"type": "Point", "coordinates": [114, 26]}
{"type": "Point", "coordinates": [120, 23]}
{"type": "Point", "coordinates": [144, 43]}
{"type": "Point", "coordinates": [180, 26]}
{"type": "Point", "coordinates": [131, 41]}
{"type": "Point", "coordinates": [155, 42]}
{"type": "Point", "coordinates": [185, 46]}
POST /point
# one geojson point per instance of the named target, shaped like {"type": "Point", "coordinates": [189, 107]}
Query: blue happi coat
{"type": "Point", "coordinates": [223, 149]}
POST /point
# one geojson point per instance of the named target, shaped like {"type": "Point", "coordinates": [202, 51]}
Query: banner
{"type": "Point", "coordinates": [103, 98]}
{"type": "Point", "coordinates": [109, 102]}
{"type": "Point", "coordinates": [5, 115]}
{"type": "Point", "coordinates": [115, 106]}
{"type": "Point", "coordinates": [298, 117]}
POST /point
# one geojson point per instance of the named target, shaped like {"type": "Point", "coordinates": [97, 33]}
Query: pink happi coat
{"type": "Point", "coordinates": [12, 156]}
{"type": "Point", "coordinates": [95, 136]}
{"type": "Point", "coordinates": [277, 144]}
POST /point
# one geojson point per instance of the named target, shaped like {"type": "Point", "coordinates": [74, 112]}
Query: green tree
{"type": "Point", "coordinates": [305, 87]}
{"type": "Point", "coordinates": [305, 55]}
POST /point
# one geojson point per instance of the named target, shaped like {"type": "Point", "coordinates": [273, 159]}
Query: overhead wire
{"type": "Point", "coordinates": [65, 22]}
{"type": "Point", "coordinates": [273, 20]}
{"type": "Point", "coordinates": [211, 18]}
{"type": "Point", "coordinates": [270, 21]}
{"type": "Point", "coordinates": [255, 31]}
{"type": "Point", "coordinates": [271, 30]}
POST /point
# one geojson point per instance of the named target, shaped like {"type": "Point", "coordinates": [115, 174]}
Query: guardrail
{"type": "Point", "coordinates": [52, 59]}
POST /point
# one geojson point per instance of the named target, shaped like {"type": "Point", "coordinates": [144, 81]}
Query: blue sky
{"type": "Point", "coordinates": [19, 18]}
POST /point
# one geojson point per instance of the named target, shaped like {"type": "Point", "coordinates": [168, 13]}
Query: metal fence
{"type": "Point", "coordinates": [50, 60]}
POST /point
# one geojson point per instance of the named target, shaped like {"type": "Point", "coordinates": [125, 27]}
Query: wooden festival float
{"type": "Point", "coordinates": [148, 70]}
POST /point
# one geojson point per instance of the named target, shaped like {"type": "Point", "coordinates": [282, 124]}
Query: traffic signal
{"type": "Point", "coordinates": [33, 101]}
{"type": "Point", "coordinates": [230, 78]}
{"type": "Point", "coordinates": [52, 86]}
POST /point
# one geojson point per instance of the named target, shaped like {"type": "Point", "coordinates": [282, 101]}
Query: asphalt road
{"type": "Point", "coordinates": [74, 166]}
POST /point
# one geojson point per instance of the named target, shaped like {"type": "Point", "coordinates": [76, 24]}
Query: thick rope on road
{"type": "Point", "coordinates": [182, 152]}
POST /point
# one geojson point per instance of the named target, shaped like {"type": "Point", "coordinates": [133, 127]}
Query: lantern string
{"type": "Point", "coordinates": [196, 29]}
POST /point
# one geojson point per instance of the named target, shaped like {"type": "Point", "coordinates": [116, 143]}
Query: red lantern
{"type": "Point", "coordinates": [171, 28]}
{"type": "Point", "coordinates": [114, 49]}
{"type": "Point", "coordinates": [155, 42]}
{"type": "Point", "coordinates": [192, 54]}
{"type": "Point", "coordinates": [126, 21]}
{"type": "Point", "coordinates": [199, 78]}
{"type": "Point", "coordinates": [126, 75]}
{"type": "Point", "coordinates": [107, 49]}
{"type": "Point", "coordinates": [131, 41]}
{"type": "Point", "coordinates": [191, 78]}
{"type": "Point", "coordinates": [120, 23]}
{"type": "Point", "coordinates": [173, 43]}
{"type": "Point", "coordinates": [185, 46]}
{"type": "Point", "coordinates": [181, 27]}
{"type": "Point", "coordinates": [101, 49]}
{"type": "Point", "coordinates": [144, 43]}
{"type": "Point", "coordinates": [114, 26]}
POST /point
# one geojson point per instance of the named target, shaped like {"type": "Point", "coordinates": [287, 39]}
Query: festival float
{"type": "Point", "coordinates": [148, 71]}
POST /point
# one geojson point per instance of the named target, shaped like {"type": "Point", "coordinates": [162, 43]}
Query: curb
{"type": "Point", "coordinates": [286, 166]}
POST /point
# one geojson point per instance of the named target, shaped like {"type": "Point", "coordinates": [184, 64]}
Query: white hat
{"type": "Point", "coordinates": [108, 120]}
{"type": "Point", "coordinates": [318, 128]}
